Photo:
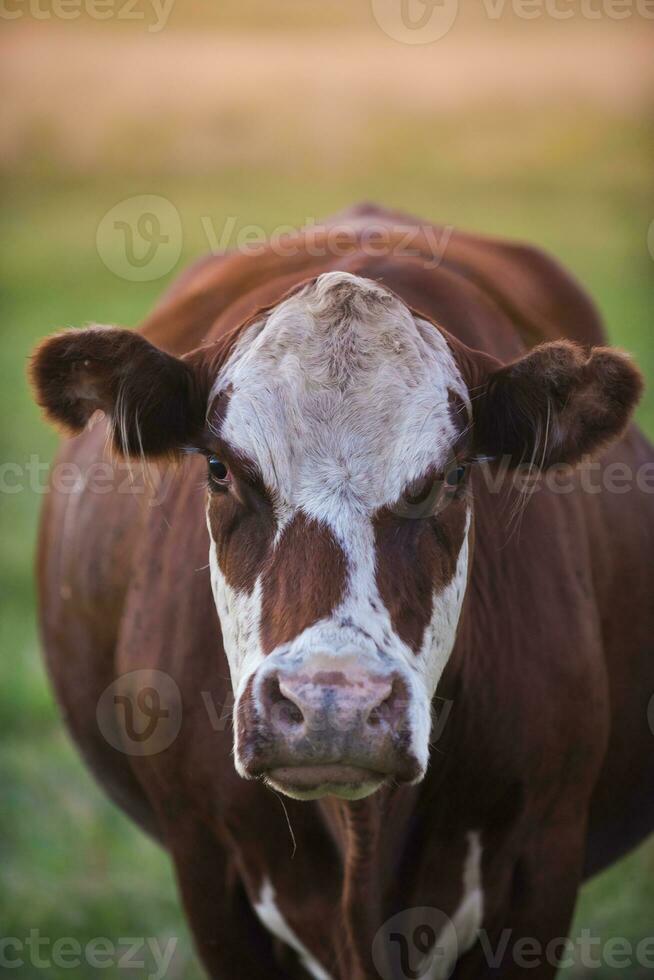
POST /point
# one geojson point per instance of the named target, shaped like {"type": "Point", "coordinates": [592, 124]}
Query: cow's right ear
{"type": "Point", "coordinates": [556, 404]}
{"type": "Point", "coordinates": [156, 402]}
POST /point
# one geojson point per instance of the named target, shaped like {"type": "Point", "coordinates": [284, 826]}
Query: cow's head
{"type": "Point", "coordinates": [339, 431]}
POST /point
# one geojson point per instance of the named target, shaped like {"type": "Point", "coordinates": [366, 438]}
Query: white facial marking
{"type": "Point", "coordinates": [466, 922]}
{"type": "Point", "coordinates": [273, 920]}
{"type": "Point", "coordinates": [240, 616]}
{"type": "Point", "coordinates": [441, 632]}
{"type": "Point", "coordinates": [341, 396]}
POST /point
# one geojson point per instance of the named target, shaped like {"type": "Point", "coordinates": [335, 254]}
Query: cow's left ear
{"type": "Point", "coordinates": [156, 402]}
{"type": "Point", "coordinates": [555, 404]}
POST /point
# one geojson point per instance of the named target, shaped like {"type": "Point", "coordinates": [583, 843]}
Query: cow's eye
{"type": "Point", "coordinates": [420, 491]}
{"type": "Point", "coordinates": [430, 494]}
{"type": "Point", "coordinates": [455, 477]}
{"type": "Point", "coordinates": [219, 475]}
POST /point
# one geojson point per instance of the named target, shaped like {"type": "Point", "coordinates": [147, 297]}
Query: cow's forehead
{"type": "Point", "coordinates": [341, 394]}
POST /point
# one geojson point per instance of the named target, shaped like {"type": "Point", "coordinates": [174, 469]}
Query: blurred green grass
{"type": "Point", "coordinates": [574, 182]}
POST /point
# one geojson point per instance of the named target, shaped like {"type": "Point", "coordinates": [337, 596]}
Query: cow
{"type": "Point", "coordinates": [409, 693]}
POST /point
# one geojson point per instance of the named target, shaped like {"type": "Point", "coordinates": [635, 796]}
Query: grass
{"type": "Point", "coordinates": [575, 182]}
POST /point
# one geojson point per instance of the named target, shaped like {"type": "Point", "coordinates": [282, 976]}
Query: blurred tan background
{"type": "Point", "coordinates": [503, 117]}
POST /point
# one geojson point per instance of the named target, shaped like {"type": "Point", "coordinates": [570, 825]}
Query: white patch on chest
{"type": "Point", "coordinates": [457, 938]}
{"type": "Point", "coordinates": [273, 920]}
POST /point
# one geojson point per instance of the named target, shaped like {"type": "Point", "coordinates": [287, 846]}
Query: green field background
{"type": "Point", "coordinates": [560, 166]}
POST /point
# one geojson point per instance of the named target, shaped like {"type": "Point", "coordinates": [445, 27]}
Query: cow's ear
{"type": "Point", "coordinates": [156, 402]}
{"type": "Point", "coordinates": [555, 404]}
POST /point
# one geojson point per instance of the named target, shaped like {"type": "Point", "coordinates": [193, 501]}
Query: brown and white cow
{"type": "Point", "coordinates": [325, 417]}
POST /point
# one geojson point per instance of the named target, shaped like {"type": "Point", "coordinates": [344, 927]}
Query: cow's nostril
{"type": "Point", "coordinates": [282, 709]}
{"type": "Point", "coordinates": [290, 712]}
{"type": "Point", "coordinates": [387, 710]}
{"type": "Point", "coordinates": [381, 713]}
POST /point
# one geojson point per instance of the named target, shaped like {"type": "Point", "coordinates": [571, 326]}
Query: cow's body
{"type": "Point", "coordinates": [544, 771]}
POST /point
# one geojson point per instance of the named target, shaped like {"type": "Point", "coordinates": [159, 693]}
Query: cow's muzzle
{"type": "Point", "coordinates": [322, 728]}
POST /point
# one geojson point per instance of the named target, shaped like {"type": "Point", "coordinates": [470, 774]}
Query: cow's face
{"type": "Point", "coordinates": [338, 433]}
{"type": "Point", "coordinates": [339, 524]}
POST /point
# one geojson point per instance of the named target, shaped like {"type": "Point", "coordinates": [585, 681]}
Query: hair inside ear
{"type": "Point", "coordinates": [555, 405]}
{"type": "Point", "coordinates": [155, 402]}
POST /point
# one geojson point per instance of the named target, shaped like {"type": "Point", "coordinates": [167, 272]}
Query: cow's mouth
{"type": "Point", "coordinates": [313, 782]}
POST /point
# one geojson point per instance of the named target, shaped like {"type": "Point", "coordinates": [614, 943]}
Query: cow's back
{"type": "Point", "coordinates": [527, 296]}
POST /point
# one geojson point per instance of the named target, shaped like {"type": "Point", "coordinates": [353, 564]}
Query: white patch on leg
{"type": "Point", "coordinates": [273, 920]}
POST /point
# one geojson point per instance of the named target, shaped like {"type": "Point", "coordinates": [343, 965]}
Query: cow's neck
{"type": "Point", "coordinates": [363, 830]}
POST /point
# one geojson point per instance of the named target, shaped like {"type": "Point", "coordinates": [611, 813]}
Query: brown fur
{"type": "Point", "coordinates": [547, 750]}
{"type": "Point", "coordinates": [556, 405]}
{"type": "Point", "coordinates": [156, 402]}
{"type": "Point", "coordinates": [303, 583]}
{"type": "Point", "coordinates": [415, 559]}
